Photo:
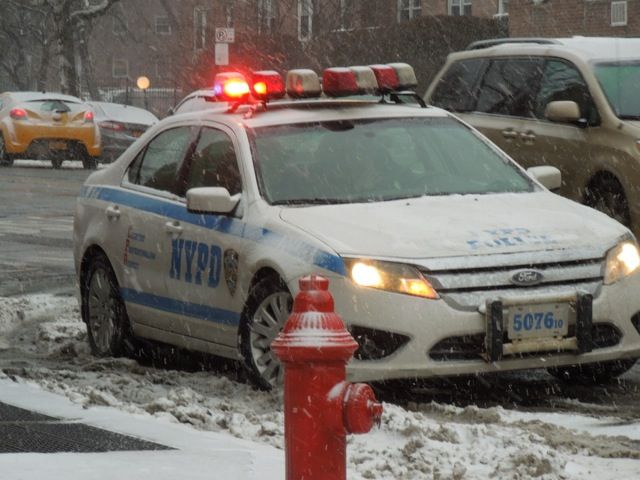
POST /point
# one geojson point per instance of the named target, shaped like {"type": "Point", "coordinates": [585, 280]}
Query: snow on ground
{"type": "Point", "coordinates": [43, 341]}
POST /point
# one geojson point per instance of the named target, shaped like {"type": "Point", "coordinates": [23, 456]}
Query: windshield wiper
{"type": "Point", "coordinates": [311, 201]}
{"type": "Point", "coordinates": [629, 117]}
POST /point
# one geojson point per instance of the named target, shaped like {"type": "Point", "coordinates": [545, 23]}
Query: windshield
{"type": "Point", "coordinates": [620, 84]}
{"type": "Point", "coordinates": [378, 160]}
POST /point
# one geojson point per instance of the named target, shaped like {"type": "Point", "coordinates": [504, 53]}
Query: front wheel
{"type": "Point", "coordinates": [103, 310]}
{"type": "Point", "coordinates": [592, 373]}
{"type": "Point", "coordinates": [607, 196]}
{"type": "Point", "coordinates": [268, 308]}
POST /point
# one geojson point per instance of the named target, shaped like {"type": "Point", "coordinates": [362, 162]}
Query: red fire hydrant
{"type": "Point", "coordinates": [320, 407]}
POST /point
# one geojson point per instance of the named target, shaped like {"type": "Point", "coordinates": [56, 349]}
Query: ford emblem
{"type": "Point", "coordinates": [527, 277]}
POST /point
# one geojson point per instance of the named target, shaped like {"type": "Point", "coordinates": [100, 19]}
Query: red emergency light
{"type": "Point", "coordinates": [267, 85]}
{"type": "Point", "coordinates": [387, 78]}
{"type": "Point", "coordinates": [230, 86]}
{"type": "Point", "coordinates": [339, 82]}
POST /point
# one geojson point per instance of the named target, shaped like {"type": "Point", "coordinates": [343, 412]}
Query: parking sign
{"type": "Point", "coordinates": [225, 35]}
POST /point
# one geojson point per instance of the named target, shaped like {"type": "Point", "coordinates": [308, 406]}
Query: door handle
{"type": "Point", "coordinates": [173, 228]}
{"type": "Point", "coordinates": [509, 134]}
{"type": "Point", "coordinates": [113, 212]}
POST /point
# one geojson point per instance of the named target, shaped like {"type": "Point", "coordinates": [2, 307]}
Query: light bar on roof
{"type": "Point", "coordinates": [267, 85]}
{"type": "Point", "coordinates": [387, 78]}
{"type": "Point", "coordinates": [406, 76]}
{"type": "Point", "coordinates": [339, 82]}
{"type": "Point", "coordinates": [366, 79]}
{"type": "Point", "coordinates": [303, 83]}
{"type": "Point", "coordinates": [230, 86]}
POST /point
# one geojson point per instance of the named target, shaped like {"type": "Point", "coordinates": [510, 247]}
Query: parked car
{"type": "Point", "coordinates": [120, 126]}
{"type": "Point", "coordinates": [198, 100]}
{"type": "Point", "coordinates": [47, 126]}
{"type": "Point", "coordinates": [156, 100]}
{"type": "Point", "coordinates": [444, 256]}
{"type": "Point", "coordinates": [569, 102]}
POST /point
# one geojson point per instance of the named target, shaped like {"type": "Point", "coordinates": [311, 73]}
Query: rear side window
{"type": "Point", "coordinates": [213, 162]}
{"type": "Point", "coordinates": [509, 87]}
{"type": "Point", "coordinates": [157, 167]}
{"type": "Point", "coordinates": [456, 89]}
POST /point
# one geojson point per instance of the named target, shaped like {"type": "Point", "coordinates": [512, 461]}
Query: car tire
{"type": "Point", "coordinates": [103, 310]}
{"type": "Point", "coordinates": [267, 309]}
{"type": "Point", "coordinates": [56, 163]}
{"type": "Point", "coordinates": [606, 195]}
{"type": "Point", "coordinates": [592, 373]}
{"type": "Point", "coordinates": [89, 162]}
{"type": "Point", "coordinates": [6, 160]}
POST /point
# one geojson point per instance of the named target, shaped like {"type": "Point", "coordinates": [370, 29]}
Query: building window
{"type": "Point", "coordinates": [119, 25]}
{"type": "Point", "coordinates": [408, 9]}
{"type": "Point", "coordinates": [503, 7]}
{"type": "Point", "coordinates": [163, 27]}
{"type": "Point", "coordinates": [199, 28]}
{"type": "Point", "coordinates": [618, 14]}
{"type": "Point", "coordinates": [305, 19]}
{"type": "Point", "coordinates": [267, 12]}
{"type": "Point", "coordinates": [120, 68]}
{"type": "Point", "coordinates": [346, 15]}
{"type": "Point", "coordinates": [459, 7]}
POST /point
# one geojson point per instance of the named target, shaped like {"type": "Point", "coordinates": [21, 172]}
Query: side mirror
{"type": "Point", "coordinates": [565, 111]}
{"type": "Point", "coordinates": [549, 177]}
{"type": "Point", "coordinates": [211, 200]}
{"type": "Point", "coordinates": [170, 111]}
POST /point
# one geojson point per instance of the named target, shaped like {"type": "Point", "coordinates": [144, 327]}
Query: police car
{"type": "Point", "coordinates": [444, 256]}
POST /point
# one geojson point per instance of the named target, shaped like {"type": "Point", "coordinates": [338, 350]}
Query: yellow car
{"type": "Point", "coordinates": [47, 126]}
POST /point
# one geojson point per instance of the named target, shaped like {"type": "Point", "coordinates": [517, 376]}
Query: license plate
{"type": "Point", "coordinates": [58, 145]}
{"type": "Point", "coordinates": [542, 320]}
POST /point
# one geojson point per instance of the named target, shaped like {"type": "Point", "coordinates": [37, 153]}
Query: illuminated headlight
{"type": "Point", "coordinates": [392, 277]}
{"type": "Point", "coordinates": [622, 261]}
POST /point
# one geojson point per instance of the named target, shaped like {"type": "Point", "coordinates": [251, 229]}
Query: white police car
{"type": "Point", "coordinates": [444, 257]}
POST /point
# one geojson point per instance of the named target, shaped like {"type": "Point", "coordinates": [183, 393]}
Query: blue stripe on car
{"type": "Point", "coordinates": [220, 223]}
{"type": "Point", "coordinates": [178, 307]}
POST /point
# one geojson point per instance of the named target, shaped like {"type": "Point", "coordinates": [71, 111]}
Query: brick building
{"type": "Point", "coordinates": [560, 18]}
{"type": "Point", "coordinates": [158, 38]}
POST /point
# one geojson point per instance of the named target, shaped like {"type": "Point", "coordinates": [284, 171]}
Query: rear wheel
{"type": "Point", "coordinates": [6, 160]}
{"type": "Point", "coordinates": [267, 310]}
{"type": "Point", "coordinates": [592, 373]}
{"type": "Point", "coordinates": [103, 310]}
{"type": "Point", "coordinates": [607, 195]}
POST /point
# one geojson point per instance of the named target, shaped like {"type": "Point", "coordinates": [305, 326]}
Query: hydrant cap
{"type": "Point", "coordinates": [314, 330]}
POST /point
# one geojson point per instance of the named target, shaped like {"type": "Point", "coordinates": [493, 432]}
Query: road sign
{"type": "Point", "coordinates": [225, 35]}
{"type": "Point", "coordinates": [222, 54]}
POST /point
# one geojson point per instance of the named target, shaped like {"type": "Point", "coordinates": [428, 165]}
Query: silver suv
{"type": "Point", "coordinates": [571, 102]}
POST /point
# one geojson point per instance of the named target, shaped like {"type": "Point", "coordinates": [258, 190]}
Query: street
{"type": "Point", "coordinates": [530, 425]}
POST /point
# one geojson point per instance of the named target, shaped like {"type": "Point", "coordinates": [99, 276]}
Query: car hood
{"type": "Point", "coordinates": [457, 225]}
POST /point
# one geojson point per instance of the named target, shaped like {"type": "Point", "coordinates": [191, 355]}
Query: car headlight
{"type": "Point", "coordinates": [392, 277]}
{"type": "Point", "coordinates": [622, 261]}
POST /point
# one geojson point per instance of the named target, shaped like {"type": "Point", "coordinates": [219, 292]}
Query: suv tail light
{"type": "Point", "coordinates": [18, 114]}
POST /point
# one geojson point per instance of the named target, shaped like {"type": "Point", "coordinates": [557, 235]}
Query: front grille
{"type": "Point", "coordinates": [469, 288]}
{"type": "Point", "coordinates": [471, 347]}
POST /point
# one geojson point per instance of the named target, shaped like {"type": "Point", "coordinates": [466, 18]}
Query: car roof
{"type": "Point", "coordinates": [286, 112]}
{"type": "Point", "coordinates": [588, 48]}
{"type": "Point", "coordinates": [35, 96]}
{"type": "Point", "coordinates": [118, 110]}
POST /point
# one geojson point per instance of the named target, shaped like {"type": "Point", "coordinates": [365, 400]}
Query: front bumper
{"type": "Point", "coordinates": [426, 323]}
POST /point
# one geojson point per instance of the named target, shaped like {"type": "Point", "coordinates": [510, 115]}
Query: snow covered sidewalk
{"type": "Point", "coordinates": [198, 454]}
